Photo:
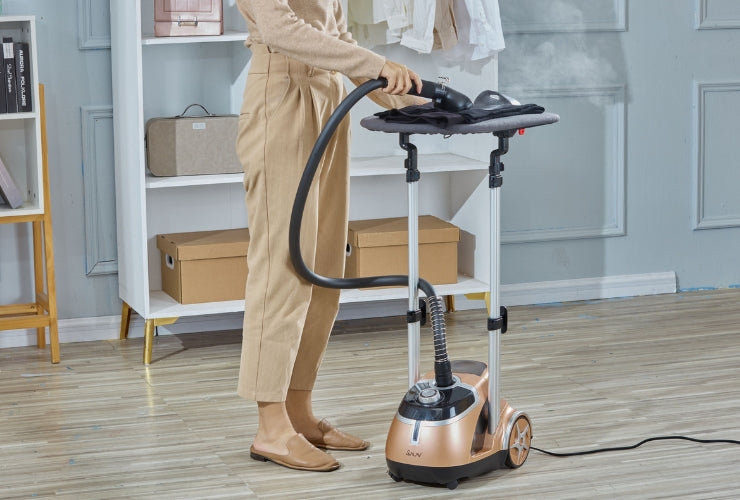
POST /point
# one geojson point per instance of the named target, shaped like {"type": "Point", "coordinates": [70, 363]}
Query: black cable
{"type": "Point", "coordinates": [622, 448]}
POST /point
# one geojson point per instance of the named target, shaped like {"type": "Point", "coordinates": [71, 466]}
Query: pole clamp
{"type": "Point", "coordinates": [500, 323]}
{"type": "Point", "coordinates": [413, 316]}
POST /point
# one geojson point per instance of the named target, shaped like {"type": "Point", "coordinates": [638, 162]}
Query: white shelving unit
{"type": "Point", "coordinates": [155, 77]}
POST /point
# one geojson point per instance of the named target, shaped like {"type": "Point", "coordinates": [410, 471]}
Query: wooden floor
{"type": "Point", "coordinates": [590, 374]}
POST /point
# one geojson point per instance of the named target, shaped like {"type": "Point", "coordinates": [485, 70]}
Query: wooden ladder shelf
{"type": "Point", "coordinates": [42, 313]}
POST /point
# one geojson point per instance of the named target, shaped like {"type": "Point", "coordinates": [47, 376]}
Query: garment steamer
{"type": "Point", "coordinates": [452, 423]}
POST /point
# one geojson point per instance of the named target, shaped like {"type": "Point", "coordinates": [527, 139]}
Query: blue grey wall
{"type": "Point", "coordinates": [74, 66]}
{"type": "Point", "coordinates": [639, 176]}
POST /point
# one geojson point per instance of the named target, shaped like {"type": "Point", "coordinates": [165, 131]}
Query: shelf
{"type": "Point", "coordinates": [359, 167]}
{"type": "Point", "coordinates": [153, 182]}
{"type": "Point", "coordinates": [164, 306]}
{"type": "Point", "coordinates": [429, 163]}
{"type": "Point", "coordinates": [465, 284]}
{"type": "Point", "coordinates": [17, 116]}
{"type": "Point", "coordinates": [228, 36]}
{"type": "Point", "coordinates": [25, 210]}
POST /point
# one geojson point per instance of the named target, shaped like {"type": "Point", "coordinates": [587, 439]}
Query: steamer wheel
{"type": "Point", "coordinates": [520, 441]}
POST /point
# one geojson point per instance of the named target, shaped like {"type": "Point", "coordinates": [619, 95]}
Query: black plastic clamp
{"type": "Point", "coordinates": [414, 316]}
{"type": "Point", "coordinates": [411, 161]}
{"type": "Point", "coordinates": [419, 315]}
{"type": "Point", "coordinates": [500, 323]}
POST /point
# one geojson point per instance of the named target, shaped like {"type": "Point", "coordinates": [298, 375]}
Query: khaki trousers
{"type": "Point", "coordinates": [287, 320]}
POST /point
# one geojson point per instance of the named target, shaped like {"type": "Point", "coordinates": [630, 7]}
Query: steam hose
{"type": "Point", "coordinates": [442, 368]}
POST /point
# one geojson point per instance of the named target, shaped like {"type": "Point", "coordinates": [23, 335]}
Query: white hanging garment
{"type": "Point", "coordinates": [420, 36]}
{"type": "Point", "coordinates": [486, 33]}
{"type": "Point", "coordinates": [479, 35]}
{"type": "Point", "coordinates": [368, 24]}
{"type": "Point", "coordinates": [397, 14]}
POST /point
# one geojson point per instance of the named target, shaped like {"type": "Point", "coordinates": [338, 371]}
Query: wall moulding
{"type": "Point", "coordinates": [714, 142]}
{"type": "Point", "coordinates": [99, 186]}
{"type": "Point", "coordinates": [546, 16]}
{"type": "Point", "coordinates": [574, 176]}
{"type": "Point", "coordinates": [717, 14]}
{"type": "Point", "coordinates": [93, 24]}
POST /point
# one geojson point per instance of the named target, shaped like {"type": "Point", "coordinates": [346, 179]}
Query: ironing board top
{"type": "Point", "coordinates": [485, 127]}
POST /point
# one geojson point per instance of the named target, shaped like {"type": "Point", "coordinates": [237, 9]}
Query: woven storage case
{"type": "Point", "coordinates": [192, 145]}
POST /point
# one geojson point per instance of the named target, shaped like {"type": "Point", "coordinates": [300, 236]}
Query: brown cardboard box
{"type": "Point", "coordinates": [205, 266]}
{"type": "Point", "coordinates": [377, 247]}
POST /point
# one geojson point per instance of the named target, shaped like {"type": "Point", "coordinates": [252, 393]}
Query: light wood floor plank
{"type": "Point", "coordinates": [590, 374]}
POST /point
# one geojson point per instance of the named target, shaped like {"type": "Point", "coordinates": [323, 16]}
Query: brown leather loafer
{"type": "Point", "coordinates": [301, 456]}
{"type": "Point", "coordinates": [331, 438]}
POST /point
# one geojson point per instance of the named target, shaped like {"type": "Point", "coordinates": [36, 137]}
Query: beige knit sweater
{"type": "Point", "coordinates": [311, 31]}
{"type": "Point", "coordinates": [315, 32]}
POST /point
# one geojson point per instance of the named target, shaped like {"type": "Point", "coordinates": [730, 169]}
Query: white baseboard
{"type": "Point", "coordinates": [544, 292]}
{"type": "Point", "coordinates": [606, 287]}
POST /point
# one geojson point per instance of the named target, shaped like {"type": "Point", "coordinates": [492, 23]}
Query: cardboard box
{"type": "Point", "coordinates": [205, 266]}
{"type": "Point", "coordinates": [378, 247]}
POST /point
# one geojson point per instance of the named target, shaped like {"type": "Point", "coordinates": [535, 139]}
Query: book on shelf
{"type": "Point", "coordinates": [3, 100]}
{"type": "Point", "coordinates": [9, 78]}
{"type": "Point", "coordinates": [9, 192]}
{"type": "Point", "coordinates": [23, 77]}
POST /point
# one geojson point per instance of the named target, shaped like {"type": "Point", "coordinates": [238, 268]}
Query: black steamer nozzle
{"type": "Point", "coordinates": [443, 97]}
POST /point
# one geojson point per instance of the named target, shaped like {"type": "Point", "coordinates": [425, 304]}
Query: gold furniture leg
{"type": "Point", "coordinates": [125, 321]}
{"type": "Point", "coordinates": [450, 303]}
{"type": "Point", "coordinates": [481, 296]}
{"type": "Point", "coordinates": [149, 327]}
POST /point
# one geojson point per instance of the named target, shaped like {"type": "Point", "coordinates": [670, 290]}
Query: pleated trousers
{"type": "Point", "coordinates": [287, 320]}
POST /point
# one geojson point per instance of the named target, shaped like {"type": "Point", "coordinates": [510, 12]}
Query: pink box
{"type": "Point", "coordinates": [188, 17]}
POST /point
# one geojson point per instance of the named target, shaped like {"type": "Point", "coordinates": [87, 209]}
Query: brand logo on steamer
{"type": "Point", "coordinates": [414, 454]}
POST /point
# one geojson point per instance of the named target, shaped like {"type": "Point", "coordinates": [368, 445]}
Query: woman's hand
{"type": "Point", "coordinates": [400, 78]}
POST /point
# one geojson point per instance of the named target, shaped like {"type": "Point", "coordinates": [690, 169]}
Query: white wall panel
{"type": "Point", "coordinates": [100, 190]}
{"type": "Point", "coordinates": [567, 180]}
{"type": "Point", "coordinates": [717, 200]}
{"type": "Point", "coordinates": [93, 24]}
{"type": "Point", "coordinates": [717, 14]}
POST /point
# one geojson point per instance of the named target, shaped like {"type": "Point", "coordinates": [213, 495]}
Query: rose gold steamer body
{"type": "Point", "coordinates": [428, 443]}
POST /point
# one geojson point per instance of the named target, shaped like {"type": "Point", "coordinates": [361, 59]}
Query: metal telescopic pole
{"type": "Point", "coordinates": [414, 316]}
{"type": "Point", "coordinates": [414, 328]}
{"type": "Point", "coordinates": [496, 321]}
{"type": "Point", "coordinates": [494, 336]}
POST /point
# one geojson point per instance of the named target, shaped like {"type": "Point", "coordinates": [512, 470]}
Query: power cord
{"type": "Point", "coordinates": [622, 448]}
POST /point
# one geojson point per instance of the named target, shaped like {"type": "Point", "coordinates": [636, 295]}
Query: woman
{"type": "Point", "coordinates": [299, 48]}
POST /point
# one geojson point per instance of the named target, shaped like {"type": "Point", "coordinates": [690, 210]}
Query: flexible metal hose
{"type": "Point", "coordinates": [442, 369]}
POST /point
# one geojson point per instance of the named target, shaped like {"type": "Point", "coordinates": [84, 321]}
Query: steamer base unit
{"type": "Point", "coordinates": [447, 440]}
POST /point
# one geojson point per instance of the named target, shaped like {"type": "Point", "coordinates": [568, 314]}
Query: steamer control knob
{"type": "Point", "coordinates": [429, 396]}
